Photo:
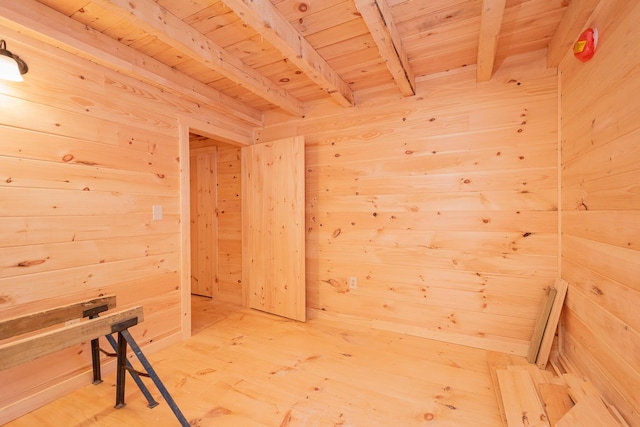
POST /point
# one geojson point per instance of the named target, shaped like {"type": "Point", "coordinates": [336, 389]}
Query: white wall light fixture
{"type": "Point", "coordinates": [11, 66]}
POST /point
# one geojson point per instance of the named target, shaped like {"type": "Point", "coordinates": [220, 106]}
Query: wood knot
{"type": "Point", "coordinates": [340, 287]}
{"type": "Point", "coordinates": [218, 410]}
{"type": "Point", "coordinates": [31, 263]}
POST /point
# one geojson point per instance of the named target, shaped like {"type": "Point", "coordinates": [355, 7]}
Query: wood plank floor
{"type": "Point", "coordinates": [246, 368]}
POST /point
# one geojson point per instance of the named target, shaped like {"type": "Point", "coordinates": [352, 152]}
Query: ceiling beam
{"type": "Point", "coordinates": [490, 24]}
{"type": "Point", "coordinates": [56, 29]}
{"type": "Point", "coordinates": [377, 17]}
{"type": "Point", "coordinates": [574, 19]}
{"type": "Point", "coordinates": [264, 18]}
{"type": "Point", "coordinates": [157, 21]}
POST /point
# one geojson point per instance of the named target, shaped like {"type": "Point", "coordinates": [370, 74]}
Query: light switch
{"type": "Point", "coordinates": [157, 212]}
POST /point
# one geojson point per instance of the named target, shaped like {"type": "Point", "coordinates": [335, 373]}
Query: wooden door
{"type": "Point", "coordinates": [273, 235]}
{"type": "Point", "coordinates": [204, 225]}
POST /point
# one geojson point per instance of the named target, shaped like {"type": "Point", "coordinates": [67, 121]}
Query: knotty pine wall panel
{"type": "Point", "coordinates": [84, 155]}
{"type": "Point", "coordinates": [600, 327]}
{"type": "Point", "coordinates": [443, 205]}
{"type": "Point", "coordinates": [229, 224]}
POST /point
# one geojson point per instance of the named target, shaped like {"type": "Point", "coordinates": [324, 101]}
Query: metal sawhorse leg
{"type": "Point", "coordinates": [123, 366]}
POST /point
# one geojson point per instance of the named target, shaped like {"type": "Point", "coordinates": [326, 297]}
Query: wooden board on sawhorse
{"type": "Point", "coordinates": [22, 350]}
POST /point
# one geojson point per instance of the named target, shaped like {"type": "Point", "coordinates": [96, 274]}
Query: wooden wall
{"type": "Point", "coordinates": [601, 207]}
{"type": "Point", "coordinates": [84, 155]}
{"type": "Point", "coordinates": [229, 224]}
{"type": "Point", "coordinates": [444, 206]}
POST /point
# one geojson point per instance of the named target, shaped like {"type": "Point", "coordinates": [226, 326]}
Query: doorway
{"type": "Point", "coordinates": [260, 245]}
{"type": "Point", "coordinates": [215, 224]}
{"type": "Point", "coordinates": [225, 260]}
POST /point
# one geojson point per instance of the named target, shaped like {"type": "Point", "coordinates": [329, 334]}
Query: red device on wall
{"type": "Point", "coordinates": [585, 47]}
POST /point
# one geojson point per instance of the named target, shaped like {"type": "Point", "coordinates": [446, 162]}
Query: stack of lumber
{"type": "Point", "coordinates": [532, 397]}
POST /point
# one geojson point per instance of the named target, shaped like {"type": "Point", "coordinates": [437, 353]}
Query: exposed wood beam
{"type": "Point", "coordinates": [157, 21]}
{"type": "Point", "coordinates": [42, 23]}
{"type": "Point", "coordinates": [574, 19]}
{"type": "Point", "coordinates": [490, 24]}
{"type": "Point", "coordinates": [264, 18]}
{"type": "Point", "coordinates": [377, 17]}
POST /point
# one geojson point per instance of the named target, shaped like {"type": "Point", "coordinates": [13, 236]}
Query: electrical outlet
{"type": "Point", "coordinates": [353, 282]}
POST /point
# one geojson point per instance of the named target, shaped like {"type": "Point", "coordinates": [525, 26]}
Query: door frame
{"type": "Point", "coordinates": [187, 125]}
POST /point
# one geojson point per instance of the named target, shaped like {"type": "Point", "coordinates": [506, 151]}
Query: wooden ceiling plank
{"type": "Point", "coordinates": [330, 14]}
{"type": "Point", "coordinates": [490, 24]}
{"type": "Point", "coordinates": [295, 10]}
{"type": "Point", "coordinates": [95, 17]}
{"type": "Point", "coordinates": [262, 16]}
{"type": "Point", "coordinates": [573, 20]}
{"type": "Point", "coordinates": [157, 21]}
{"type": "Point", "coordinates": [429, 16]}
{"type": "Point", "coordinates": [338, 34]}
{"type": "Point", "coordinates": [182, 9]}
{"type": "Point", "coordinates": [54, 28]}
{"type": "Point", "coordinates": [68, 7]}
{"type": "Point", "coordinates": [377, 17]}
{"type": "Point", "coordinates": [212, 18]}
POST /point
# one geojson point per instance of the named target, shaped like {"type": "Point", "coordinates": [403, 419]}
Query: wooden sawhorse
{"type": "Point", "coordinates": [25, 349]}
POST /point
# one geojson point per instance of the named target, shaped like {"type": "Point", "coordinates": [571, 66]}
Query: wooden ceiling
{"type": "Point", "coordinates": [268, 54]}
